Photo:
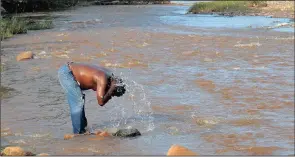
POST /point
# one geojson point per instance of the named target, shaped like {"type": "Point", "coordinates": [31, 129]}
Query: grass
{"type": "Point", "coordinates": [40, 24]}
{"type": "Point", "coordinates": [16, 25]}
{"type": "Point", "coordinates": [225, 6]}
{"type": "Point", "coordinates": [8, 27]}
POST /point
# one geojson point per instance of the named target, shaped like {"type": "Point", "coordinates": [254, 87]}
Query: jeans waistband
{"type": "Point", "coordinates": [69, 66]}
{"type": "Point", "coordinates": [68, 63]}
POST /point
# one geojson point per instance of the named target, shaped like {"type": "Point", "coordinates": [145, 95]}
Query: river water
{"type": "Point", "coordinates": [216, 85]}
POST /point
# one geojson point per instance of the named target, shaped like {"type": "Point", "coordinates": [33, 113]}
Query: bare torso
{"type": "Point", "coordinates": [88, 75]}
{"type": "Point", "coordinates": [98, 79]}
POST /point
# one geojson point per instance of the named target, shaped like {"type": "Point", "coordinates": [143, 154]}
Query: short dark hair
{"type": "Point", "coordinates": [120, 87]}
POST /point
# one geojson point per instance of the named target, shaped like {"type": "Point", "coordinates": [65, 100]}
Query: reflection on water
{"type": "Point", "coordinates": [215, 90]}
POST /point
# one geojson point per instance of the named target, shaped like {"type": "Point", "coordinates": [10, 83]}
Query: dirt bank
{"type": "Point", "coordinates": [284, 9]}
{"type": "Point", "coordinates": [280, 9]}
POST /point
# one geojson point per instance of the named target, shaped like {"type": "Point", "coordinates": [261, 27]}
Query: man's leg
{"type": "Point", "coordinates": [79, 121]}
{"type": "Point", "coordinates": [75, 99]}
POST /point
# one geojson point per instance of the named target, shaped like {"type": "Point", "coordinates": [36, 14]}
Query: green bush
{"type": "Point", "coordinates": [16, 25]}
{"type": "Point", "coordinates": [17, 6]}
{"type": "Point", "coordinates": [39, 25]}
{"type": "Point", "coordinates": [218, 6]}
{"type": "Point", "coordinates": [12, 26]}
{"type": "Point", "coordinates": [225, 6]}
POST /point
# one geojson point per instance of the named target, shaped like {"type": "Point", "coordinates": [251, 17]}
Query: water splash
{"type": "Point", "coordinates": [124, 114]}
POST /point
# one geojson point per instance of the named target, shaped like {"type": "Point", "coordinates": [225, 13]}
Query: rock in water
{"type": "Point", "coordinates": [127, 133]}
{"type": "Point", "coordinates": [15, 151]}
{"type": "Point", "coordinates": [25, 56]}
{"type": "Point", "coordinates": [177, 150]}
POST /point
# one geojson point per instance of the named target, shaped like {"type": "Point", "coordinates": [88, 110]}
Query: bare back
{"type": "Point", "coordinates": [89, 75]}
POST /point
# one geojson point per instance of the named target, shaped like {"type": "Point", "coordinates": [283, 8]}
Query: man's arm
{"type": "Point", "coordinates": [102, 97]}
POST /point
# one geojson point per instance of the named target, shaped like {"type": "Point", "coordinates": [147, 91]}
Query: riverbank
{"type": "Point", "coordinates": [280, 9]}
{"type": "Point", "coordinates": [20, 25]}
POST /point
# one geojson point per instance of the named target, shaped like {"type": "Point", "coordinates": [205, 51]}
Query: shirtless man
{"type": "Point", "coordinates": [76, 77]}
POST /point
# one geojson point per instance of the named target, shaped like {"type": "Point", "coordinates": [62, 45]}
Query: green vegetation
{"type": "Point", "coordinates": [39, 25]}
{"type": "Point", "coordinates": [17, 25]}
{"type": "Point", "coordinates": [226, 6]}
{"type": "Point", "coordinates": [18, 6]}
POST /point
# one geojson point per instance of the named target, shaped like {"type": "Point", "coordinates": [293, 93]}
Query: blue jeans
{"type": "Point", "coordinates": [75, 97]}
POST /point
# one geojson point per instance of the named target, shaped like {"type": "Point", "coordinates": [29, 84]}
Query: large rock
{"type": "Point", "coordinates": [24, 56]}
{"type": "Point", "coordinates": [15, 151]}
{"type": "Point", "coordinates": [177, 150]}
{"type": "Point", "coordinates": [129, 132]}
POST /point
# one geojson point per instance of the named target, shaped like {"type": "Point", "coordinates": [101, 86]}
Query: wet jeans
{"type": "Point", "coordinates": [75, 97]}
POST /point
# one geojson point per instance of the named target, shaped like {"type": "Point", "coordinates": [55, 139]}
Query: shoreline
{"type": "Point", "coordinates": [274, 9]}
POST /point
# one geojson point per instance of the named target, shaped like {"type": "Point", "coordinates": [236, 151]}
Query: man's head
{"type": "Point", "coordinates": [120, 87]}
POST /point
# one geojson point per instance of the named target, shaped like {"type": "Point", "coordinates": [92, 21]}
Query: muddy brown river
{"type": "Point", "coordinates": [216, 85]}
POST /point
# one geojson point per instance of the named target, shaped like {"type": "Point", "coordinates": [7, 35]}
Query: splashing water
{"type": "Point", "coordinates": [141, 110]}
{"type": "Point", "coordinates": [124, 114]}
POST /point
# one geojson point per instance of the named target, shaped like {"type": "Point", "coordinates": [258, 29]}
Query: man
{"type": "Point", "coordinates": [76, 77]}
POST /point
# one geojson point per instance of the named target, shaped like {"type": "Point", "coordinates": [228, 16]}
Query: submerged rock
{"type": "Point", "coordinates": [129, 132]}
{"type": "Point", "coordinates": [177, 150]}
